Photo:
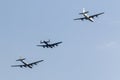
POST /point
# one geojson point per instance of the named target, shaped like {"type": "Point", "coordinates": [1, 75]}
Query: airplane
{"type": "Point", "coordinates": [87, 17]}
{"type": "Point", "coordinates": [29, 65]}
{"type": "Point", "coordinates": [48, 45]}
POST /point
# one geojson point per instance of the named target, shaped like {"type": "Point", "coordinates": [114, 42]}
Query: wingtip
{"type": "Point", "coordinates": [41, 60]}
{"type": "Point", "coordinates": [74, 19]}
{"type": "Point", "coordinates": [60, 42]}
{"type": "Point", "coordinates": [38, 45]}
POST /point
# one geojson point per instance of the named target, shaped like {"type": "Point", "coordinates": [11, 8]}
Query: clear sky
{"type": "Point", "coordinates": [90, 51]}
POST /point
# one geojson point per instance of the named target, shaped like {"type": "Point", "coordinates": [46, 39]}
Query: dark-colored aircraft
{"type": "Point", "coordinates": [87, 17]}
{"type": "Point", "coordinates": [48, 45]}
{"type": "Point", "coordinates": [29, 65]}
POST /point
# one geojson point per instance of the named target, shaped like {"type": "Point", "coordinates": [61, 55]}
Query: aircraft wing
{"type": "Point", "coordinates": [80, 18]}
{"type": "Point", "coordinates": [56, 43]}
{"type": "Point", "coordinates": [41, 45]}
{"type": "Point", "coordinates": [96, 15]}
{"type": "Point", "coordinates": [18, 66]}
{"type": "Point", "coordinates": [35, 63]}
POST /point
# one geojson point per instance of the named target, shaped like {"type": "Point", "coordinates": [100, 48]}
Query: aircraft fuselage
{"type": "Point", "coordinates": [88, 17]}
{"type": "Point", "coordinates": [26, 65]}
{"type": "Point", "coordinates": [47, 45]}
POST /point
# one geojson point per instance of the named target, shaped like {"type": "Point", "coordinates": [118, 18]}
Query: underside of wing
{"type": "Point", "coordinates": [35, 63]}
{"type": "Point", "coordinates": [96, 15]}
{"type": "Point", "coordinates": [57, 43]}
{"type": "Point", "coordinates": [41, 45]}
{"type": "Point", "coordinates": [80, 18]}
{"type": "Point", "coordinates": [17, 65]}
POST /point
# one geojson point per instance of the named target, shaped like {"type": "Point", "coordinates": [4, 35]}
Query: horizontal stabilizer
{"type": "Point", "coordinates": [45, 41]}
{"type": "Point", "coordinates": [20, 59]}
{"type": "Point", "coordinates": [84, 12]}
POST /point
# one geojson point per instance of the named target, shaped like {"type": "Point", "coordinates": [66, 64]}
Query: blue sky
{"type": "Point", "coordinates": [90, 51]}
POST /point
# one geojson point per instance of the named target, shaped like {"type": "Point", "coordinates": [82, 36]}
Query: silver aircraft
{"type": "Point", "coordinates": [87, 17]}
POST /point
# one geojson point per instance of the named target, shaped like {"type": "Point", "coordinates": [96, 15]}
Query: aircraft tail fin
{"type": "Point", "coordinates": [84, 12]}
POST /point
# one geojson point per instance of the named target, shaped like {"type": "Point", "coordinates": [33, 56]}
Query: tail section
{"type": "Point", "coordinates": [45, 41]}
{"type": "Point", "coordinates": [84, 12]}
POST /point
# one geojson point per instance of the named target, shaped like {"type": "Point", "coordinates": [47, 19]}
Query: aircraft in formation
{"type": "Point", "coordinates": [48, 45]}
{"type": "Point", "coordinates": [29, 65]}
{"type": "Point", "coordinates": [87, 17]}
